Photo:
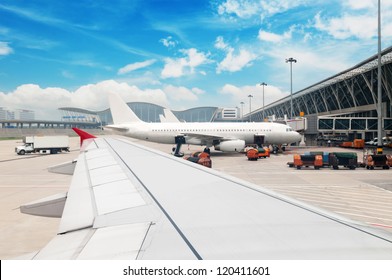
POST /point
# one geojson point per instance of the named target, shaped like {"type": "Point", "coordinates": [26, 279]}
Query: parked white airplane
{"type": "Point", "coordinates": [122, 204]}
{"type": "Point", "coordinates": [226, 137]}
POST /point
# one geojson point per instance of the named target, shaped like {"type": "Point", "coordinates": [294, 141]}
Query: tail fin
{"type": "Point", "coordinates": [170, 117]}
{"type": "Point", "coordinates": [121, 112]}
{"type": "Point", "coordinates": [83, 135]}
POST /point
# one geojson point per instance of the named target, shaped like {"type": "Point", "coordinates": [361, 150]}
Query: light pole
{"type": "Point", "coordinates": [379, 94]}
{"type": "Point", "coordinates": [291, 60]}
{"type": "Point", "coordinates": [242, 109]}
{"type": "Point", "coordinates": [250, 106]}
{"type": "Point", "coordinates": [263, 84]}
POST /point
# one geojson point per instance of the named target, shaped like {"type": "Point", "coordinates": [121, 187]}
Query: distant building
{"type": "Point", "coordinates": [20, 114]}
{"type": "Point", "coordinates": [24, 115]}
{"type": "Point", "coordinates": [3, 114]}
{"type": "Point", "coordinates": [150, 113]}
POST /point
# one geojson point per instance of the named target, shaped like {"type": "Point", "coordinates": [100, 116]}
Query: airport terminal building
{"type": "Point", "coordinates": [344, 104]}
{"type": "Point", "coordinates": [149, 112]}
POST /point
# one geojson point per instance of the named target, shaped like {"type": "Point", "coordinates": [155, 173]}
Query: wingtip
{"type": "Point", "coordinates": [83, 135]}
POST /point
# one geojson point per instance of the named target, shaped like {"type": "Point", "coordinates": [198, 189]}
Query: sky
{"type": "Point", "coordinates": [177, 54]}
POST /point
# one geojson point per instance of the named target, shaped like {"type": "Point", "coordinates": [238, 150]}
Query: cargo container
{"type": "Point", "coordinates": [308, 160]}
{"type": "Point", "coordinates": [349, 160]}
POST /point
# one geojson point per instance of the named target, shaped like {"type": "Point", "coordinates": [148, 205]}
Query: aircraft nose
{"type": "Point", "coordinates": [296, 136]}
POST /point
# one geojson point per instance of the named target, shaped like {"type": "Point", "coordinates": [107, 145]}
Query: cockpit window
{"type": "Point", "coordinates": [289, 129]}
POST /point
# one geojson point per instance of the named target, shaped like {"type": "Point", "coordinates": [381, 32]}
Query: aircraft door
{"type": "Point", "coordinates": [259, 140]}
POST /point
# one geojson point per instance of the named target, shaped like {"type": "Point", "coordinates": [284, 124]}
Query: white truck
{"type": "Point", "coordinates": [43, 144]}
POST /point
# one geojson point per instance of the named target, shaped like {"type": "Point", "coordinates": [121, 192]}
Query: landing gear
{"type": "Point", "coordinates": [179, 140]}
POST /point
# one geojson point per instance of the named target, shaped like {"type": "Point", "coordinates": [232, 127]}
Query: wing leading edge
{"type": "Point", "coordinates": [130, 202]}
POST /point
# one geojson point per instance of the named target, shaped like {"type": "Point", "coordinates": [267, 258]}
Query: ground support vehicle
{"type": "Point", "coordinates": [357, 144]}
{"type": "Point", "coordinates": [43, 144]}
{"type": "Point", "coordinates": [263, 152]}
{"type": "Point", "coordinates": [382, 161]}
{"type": "Point", "coordinates": [257, 152]}
{"type": "Point", "coordinates": [252, 154]}
{"type": "Point", "coordinates": [349, 160]}
{"type": "Point", "coordinates": [201, 158]}
{"type": "Point", "coordinates": [307, 160]}
{"type": "Point", "coordinates": [325, 156]}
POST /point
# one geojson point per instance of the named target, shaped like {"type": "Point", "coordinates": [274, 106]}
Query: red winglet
{"type": "Point", "coordinates": [83, 135]}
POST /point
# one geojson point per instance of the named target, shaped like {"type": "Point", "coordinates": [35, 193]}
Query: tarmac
{"type": "Point", "coordinates": [361, 195]}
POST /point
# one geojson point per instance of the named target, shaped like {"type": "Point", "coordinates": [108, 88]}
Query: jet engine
{"type": "Point", "coordinates": [230, 146]}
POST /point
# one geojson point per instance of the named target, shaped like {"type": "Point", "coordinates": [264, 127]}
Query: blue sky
{"type": "Point", "coordinates": [178, 54]}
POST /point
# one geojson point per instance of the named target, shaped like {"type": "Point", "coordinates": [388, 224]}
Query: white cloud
{"type": "Point", "coordinates": [5, 49]}
{"type": "Point", "coordinates": [195, 58]}
{"type": "Point", "coordinates": [134, 66]}
{"type": "Point", "coordinates": [240, 8]}
{"type": "Point", "coordinates": [240, 94]}
{"type": "Point", "coordinates": [175, 68]}
{"type": "Point", "coordinates": [220, 43]}
{"type": "Point", "coordinates": [32, 97]}
{"type": "Point", "coordinates": [248, 9]}
{"type": "Point", "coordinates": [314, 63]}
{"type": "Point", "coordinates": [168, 42]}
{"type": "Point", "coordinates": [198, 91]}
{"type": "Point", "coordinates": [181, 93]}
{"type": "Point", "coordinates": [235, 62]}
{"type": "Point", "coordinates": [359, 26]}
{"type": "Point", "coordinates": [272, 37]}
{"type": "Point", "coordinates": [358, 5]}
{"type": "Point", "coordinates": [271, 7]}
{"type": "Point", "coordinates": [46, 101]}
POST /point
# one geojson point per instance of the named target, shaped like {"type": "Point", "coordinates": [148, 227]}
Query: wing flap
{"type": "Point", "coordinates": [79, 209]}
{"type": "Point", "coordinates": [65, 246]}
{"type": "Point", "coordinates": [100, 176]}
{"type": "Point", "coordinates": [115, 243]}
{"type": "Point", "coordinates": [99, 187]}
{"type": "Point", "coordinates": [116, 196]}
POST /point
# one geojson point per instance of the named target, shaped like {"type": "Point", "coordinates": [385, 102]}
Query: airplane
{"type": "Point", "coordinates": [225, 137]}
{"type": "Point", "coordinates": [168, 117]}
{"type": "Point", "coordinates": [122, 205]}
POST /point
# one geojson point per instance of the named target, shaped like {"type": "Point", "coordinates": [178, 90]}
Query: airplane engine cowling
{"type": "Point", "coordinates": [230, 146]}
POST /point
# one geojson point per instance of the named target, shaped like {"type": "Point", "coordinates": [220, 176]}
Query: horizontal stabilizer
{"type": "Point", "coordinates": [116, 128]}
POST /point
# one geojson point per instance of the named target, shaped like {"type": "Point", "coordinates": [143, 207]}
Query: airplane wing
{"type": "Point", "coordinates": [127, 201]}
{"type": "Point", "coordinates": [205, 139]}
